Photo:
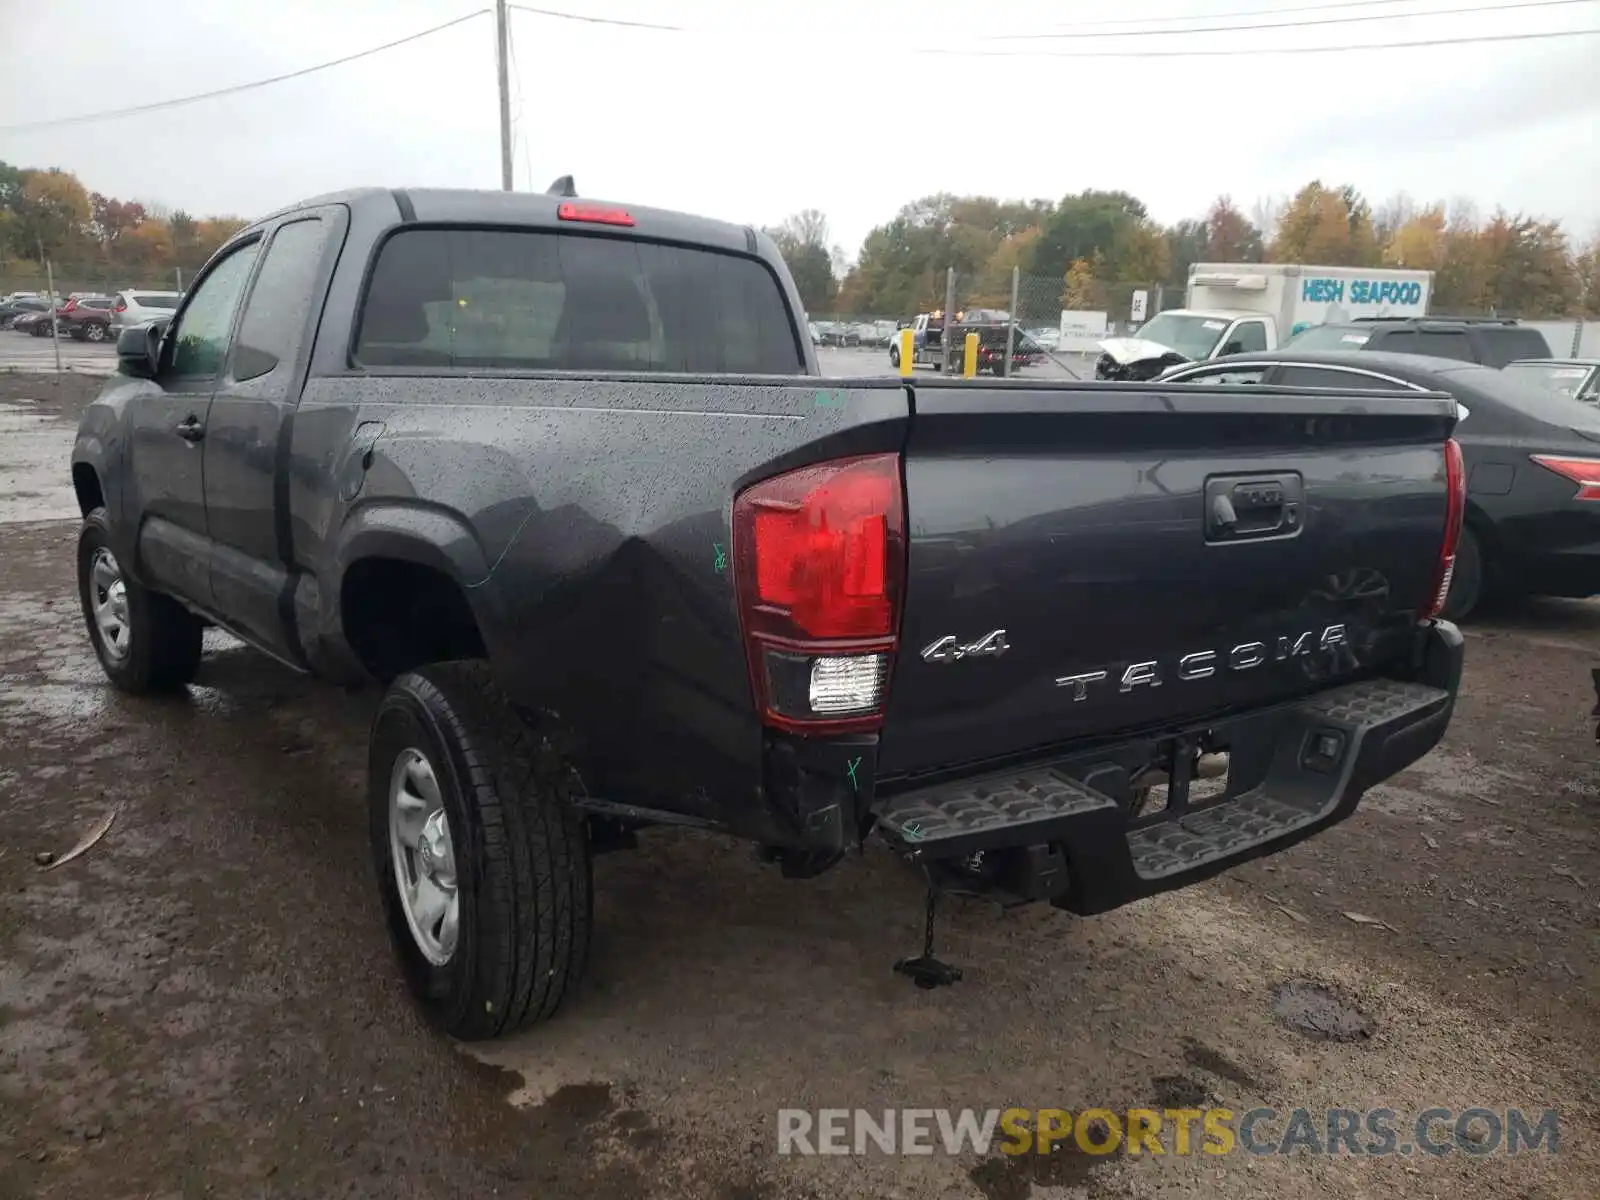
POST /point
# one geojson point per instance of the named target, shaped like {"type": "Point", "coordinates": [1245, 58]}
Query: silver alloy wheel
{"type": "Point", "coordinates": [108, 600]}
{"type": "Point", "coordinates": [424, 856]}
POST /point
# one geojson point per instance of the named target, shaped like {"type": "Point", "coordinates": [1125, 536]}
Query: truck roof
{"type": "Point", "coordinates": [535, 210]}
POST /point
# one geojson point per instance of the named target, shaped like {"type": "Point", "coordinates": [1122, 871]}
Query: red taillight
{"type": "Point", "coordinates": [1585, 472]}
{"type": "Point", "coordinates": [122, 306]}
{"type": "Point", "coordinates": [819, 566]}
{"type": "Point", "coordinates": [69, 306]}
{"type": "Point", "coordinates": [594, 215]}
{"type": "Point", "coordinates": [1455, 511]}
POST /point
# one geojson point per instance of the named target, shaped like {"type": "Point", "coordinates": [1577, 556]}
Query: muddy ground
{"type": "Point", "coordinates": [204, 1004]}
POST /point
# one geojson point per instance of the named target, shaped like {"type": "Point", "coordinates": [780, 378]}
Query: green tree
{"type": "Point", "coordinates": [804, 243]}
{"type": "Point", "coordinates": [1084, 225]}
{"type": "Point", "coordinates": [1586, 267]}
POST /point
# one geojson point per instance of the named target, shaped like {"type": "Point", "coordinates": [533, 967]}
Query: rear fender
{"type": "Point", "coordinates": [413, 533]}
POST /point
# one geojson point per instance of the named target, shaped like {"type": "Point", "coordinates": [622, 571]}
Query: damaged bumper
{"type": "Point", "coordinates": [1133, 360]}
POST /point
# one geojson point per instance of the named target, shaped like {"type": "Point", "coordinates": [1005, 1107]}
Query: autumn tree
{"type": "Point", "coordinates": [1530, 268]}
{"type": "Point", "coordinates": [51, 211]}
{"type": "Point", "coordinates": [1419, 242]}
{"type": "Point", "coordinates": [1327, 227]}
{"type": "Point", "coordinates": [112, 218]}
{"type": "Point", "coordinates": [1229, 235]}
{"type": "Point", "coordinates": [1081, 291]}
{"type": "Point", "coordinates": [212, 232]}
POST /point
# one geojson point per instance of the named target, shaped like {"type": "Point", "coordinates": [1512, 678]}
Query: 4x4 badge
{"type": "Point", "coordinates": [949, 648]}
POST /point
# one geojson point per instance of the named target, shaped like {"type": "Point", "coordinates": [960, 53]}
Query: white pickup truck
{"type": "Point", "coordinates": [1249, 308]}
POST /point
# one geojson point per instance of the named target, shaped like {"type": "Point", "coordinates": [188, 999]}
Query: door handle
{"type": "Point", "coordinates": [190, 429]}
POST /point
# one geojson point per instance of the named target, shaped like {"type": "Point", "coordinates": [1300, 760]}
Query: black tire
{"type": "Point", "coordinates": [894, 356]}
{"type": "Point", "coordinates": [1467, 582]}
{"type": "Point", "coordinates": [162, 638]}
{"type": "Point", "coordinates": [94, 332]}
{"type": "Point", "coordinates": [521, 863]}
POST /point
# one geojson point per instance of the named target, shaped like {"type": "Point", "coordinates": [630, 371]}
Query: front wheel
{"type": "Point", "coordinates": [894, 356]}
{"type": "Point", "coordinates": [94, 333]}
{"type": "Point", "coordinates": [145, 641]}
{"type": "Point", "coordinates": [482, 862]}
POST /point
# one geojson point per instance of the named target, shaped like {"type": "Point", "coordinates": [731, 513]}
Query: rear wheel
{"type": "Point", "coordinates": [482, 863]}
{"type": "Point", "coordinates": [894, 356]}
{"type": "Point", "coordinates": [1467, 582]}
{"type": "Point", "coordinates": [146, 642]}
{"type": "Point", "coordinates": [94, 332]}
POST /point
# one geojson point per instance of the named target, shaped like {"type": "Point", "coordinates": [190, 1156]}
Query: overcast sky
{"type": "Point", "coordinates": [755, 111]}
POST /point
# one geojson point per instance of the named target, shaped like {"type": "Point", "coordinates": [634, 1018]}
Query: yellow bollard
{"type": "Point", "coordinates": [906, 338]}
{"type": "Point", "coordinates": [969, 357]}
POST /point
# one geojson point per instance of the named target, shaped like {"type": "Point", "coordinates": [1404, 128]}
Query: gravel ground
{"type": "Point", "coordinates": [204, 1004]}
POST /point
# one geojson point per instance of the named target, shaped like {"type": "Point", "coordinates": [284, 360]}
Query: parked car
{"type": "Point", "coordinates": [36, 323]}
{"type": "Point", "coordinates": [1577, 378]}
{"type": "Point", "coordinates": [131, 308]}
{"type": "Point", "coordinates": [87, 319]}
{"type": "Point", "coordinates": [559, 474]}
{"type": "Point", "coordinates": [18, 306]}
{"type": "Point", "coordinates": [1533, 459]}
{"type": "Point", "coordinates": [1491, 341]}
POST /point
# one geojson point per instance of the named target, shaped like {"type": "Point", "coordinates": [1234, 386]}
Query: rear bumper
{"type": "Point", "coordinates": [1062, 830]}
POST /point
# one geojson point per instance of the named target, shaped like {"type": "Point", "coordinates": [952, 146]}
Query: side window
{"type": "Point", "coordinates": [1445, 343]}
{"type": "Point", "coordinates": [1228, 378]}
{"type": "Point", "coordinates": [1397, 341]}
{"type": "Point", "coordinates": [1248, 337]}
{"type": "Point", "coordinates": [276, 313]}
{"type": "Point", "coordinates": [1326, 377]}
{"type": "Point", "coordinates": [1591, 390]}
{"type": "Point", "coordinates": [199, 341]}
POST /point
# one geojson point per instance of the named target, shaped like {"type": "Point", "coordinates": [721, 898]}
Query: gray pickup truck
{"type": "Point", "coordinates": [564, 479]}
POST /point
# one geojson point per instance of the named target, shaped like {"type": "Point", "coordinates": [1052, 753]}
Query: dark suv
{"type": "Point", "coordinates": [1490, 341]}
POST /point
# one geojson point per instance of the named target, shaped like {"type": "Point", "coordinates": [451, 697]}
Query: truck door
{"type": "Point", "coordinates": [167, 428]}
{"type": "Point", "coordinates": [1246, 337]}
{"type": "Point", "coordinates": [246, 475]}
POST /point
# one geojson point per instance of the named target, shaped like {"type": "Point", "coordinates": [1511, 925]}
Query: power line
{"type": "Point", "coordinates": [566, 16]}
{"type": "Point", "coordinates": [159, 105]}
{"type": "Point", "coordinates": [1327, 5]}
{"type": "Point", "coordinates": [1355, 20]}
{"type": "Point", "coordinates": [1261, 51]}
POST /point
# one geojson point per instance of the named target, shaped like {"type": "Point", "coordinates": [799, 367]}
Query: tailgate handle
{"type": "Point", "coordinates": [1254, 506]}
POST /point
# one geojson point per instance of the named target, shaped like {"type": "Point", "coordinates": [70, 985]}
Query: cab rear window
{"type": "Point", "coordinates": [545, 300]}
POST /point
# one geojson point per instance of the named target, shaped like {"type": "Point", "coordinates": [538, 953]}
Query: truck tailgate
{"type": "Point", "coordinates": [1089, 561]}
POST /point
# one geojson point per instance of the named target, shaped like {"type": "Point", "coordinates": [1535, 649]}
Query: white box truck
{"type": "Point", "coordinates": [1244, 308]}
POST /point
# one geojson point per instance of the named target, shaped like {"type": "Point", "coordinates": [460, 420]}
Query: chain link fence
{"type": "Point", "coordinates": [1057, 323]}
{"type": "Point", "coordinates": [21, 275]}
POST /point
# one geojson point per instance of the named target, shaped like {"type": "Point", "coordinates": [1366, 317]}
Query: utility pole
{"type": "Point", "coordinates": [502, 37]}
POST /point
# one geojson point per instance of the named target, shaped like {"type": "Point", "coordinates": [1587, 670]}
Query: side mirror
{"type": "Point", "coordinates": [139, 349]}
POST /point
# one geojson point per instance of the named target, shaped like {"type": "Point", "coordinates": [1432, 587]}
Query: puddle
{"type": "Point", "coordinates": [35, 479]}
{"type": "Point", "coordinates": [1319, 1012]}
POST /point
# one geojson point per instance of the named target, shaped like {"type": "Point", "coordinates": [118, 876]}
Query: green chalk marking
{"type": "Point", "coordinates": [721, 562]}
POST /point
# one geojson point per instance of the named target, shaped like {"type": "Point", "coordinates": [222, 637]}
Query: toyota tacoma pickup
{"type": "Point", "coordinates": [562, 477]}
